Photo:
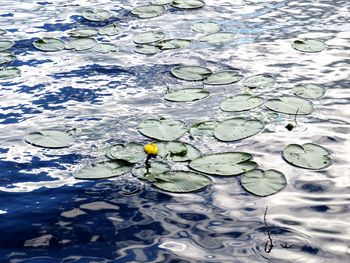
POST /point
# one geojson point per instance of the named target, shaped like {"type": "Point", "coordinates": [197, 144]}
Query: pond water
{"type": "Point", "coordinates": [46, 215]}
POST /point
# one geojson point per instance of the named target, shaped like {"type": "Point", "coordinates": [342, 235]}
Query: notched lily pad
{"type": "Point", "coordinates": [186, 95]}
{"type": "Point", "coordinates": [155, 169]}
{"type": "Point", "coordinates": [309, 91]}
{"type": "Point", "coordinates": [177, 151]}
{"type": "Point", "coordinates": [146, 49]}
{"type": "Point", "coordinates": [218, 38]}
{"type": "Point", "coordinates": [309, 156]}
{"type": "Point", "coordinates": [223, 78]}
{"type": "Point", "coordinates": [309, 45]}
{"type": "Point", "coordinates": [241, 102]}
{"type": "Point", "coordinates": [49, 44]}
{"type": "Point", "coordinates": [191, 72]}
{"type": "Point", "coordinates": [290, 105]}
{"type": "Point", "coordinates": [105, 48]}
{"type": "Point", "coordinates": [83, 32]}
{"type": "Point", "coordinates": [163, 129]}
{"type": "Point", "coordinates": [169, 44]}
{"type": "Point", "coordinates": [110, 30]}
{"type": "Point", "coordinates": [205, 27]}
{"type": "Point", "coordinates": [187, 4]}
{"type": "Point", "coordinates": [6, 57]}
{"type": "Point", "coordinates": [6, 44]}
{"type": "Point", "coordinates": [50, 139]}
{"type": "Point", "coordinates": [148, 37]}
{"type": "Point", "coordinates": [8, 73]}
{"type": "Point", "coordinates": [131, 152]}
{"type": "Point", "coordinates": [81, 44]}
{"type": "Point", "coordinates": [205, 128]}
{"type": "Point", "coordinates": [261, 80]}
{"type": "Point", "coordinates": [263, 183]}
{"type": "Point", "coordinates": [148, 11]}
{"type": "Point", "coordinates": [96, 15]}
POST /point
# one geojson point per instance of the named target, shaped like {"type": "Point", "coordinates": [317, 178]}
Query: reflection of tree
{"type": "Point", "coordinates": [268, 244]}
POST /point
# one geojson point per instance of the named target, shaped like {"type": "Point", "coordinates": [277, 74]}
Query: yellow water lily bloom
{"type": "Point", "coordinates": [151, 149]}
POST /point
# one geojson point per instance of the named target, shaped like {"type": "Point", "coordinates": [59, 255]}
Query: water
{"type": "Point", "coordinates": [48, 216]}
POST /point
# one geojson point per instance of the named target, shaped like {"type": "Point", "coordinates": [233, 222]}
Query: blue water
{"type": "Point", "coordinates": [48, 216]}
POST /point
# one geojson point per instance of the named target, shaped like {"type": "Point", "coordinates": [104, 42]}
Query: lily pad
{"type": "Point", "coordinates": [163, 129]}
{"type": "Point", "coordinates": [218, 38]}
{"type": "Point", "coordinates": [178, 151]}
{"type": "Point", "coordinates": [49, 44]}
{"type": "Point", "coordinates": [83, 32]}
{"type": "Point", "coordinates": [169, 44]}
{"type": "Point", "coordinates": [290, 105]}
{"type": "Point", "coordinates": [155, 169]}
{"type": "Point", "coordinates": [8, 73]}
{"type": "Point", "coordinates": [186, 95]}
{"type": "Point", "coordinates": [96, 15]}
{"type": "Point", "coordinates": [2, 32]}
{"type": "Point", "coordinates": [148, 11]}
{"type": "Point", "coordinates": [191, 72]}
{"type": "Point", "coordinates": [148, 37]}
{"type": "Point", "coordinates": [205, 128]}
{"type": "Point", "coordinates": [223, 78]}
{"type": "Point", "coordinates": [206, 27]}
{"type": "Point", "coordinates": [182, 182]}
{"type": "Point", "coordinates": [309, 45]}
{"type": "Point", "coordinates": [81, 44]}
{"type": "Point", "coordinates": [309, 156]}
{"type": "Point", "coordinates": [237, 129]}
{"type": "Point", "coordinates": [103, 170]}
{"type": "Point", "coordinates": [263, 183]}
{"type": "Point", "coordinates": [6, 44]}
{"type": "Point", "coordinates": [224, 164]}
{"type": "Point", "coordinates": [110, 30]}
{"type": "Point", "coordinates": [241, 102]}
{"type": "Point", "coordinates": [261, 80]}
{"type": "Point", "coordinates": [105, 48]}
{"type": "Point", "coordinates": [131, 152]}
{"type": "Point", "coordinates": [146, 49]}
{"type": "Point", "coordinates": [161, 2]}
{"type": "Point", "coordinates": [50, 139]}
{"type": "Point", "coordinates": [309, 91]}
{"type": "Point", "coordinates": [187, 4]}
{"type": "Point", "coordinates": [6, 57]}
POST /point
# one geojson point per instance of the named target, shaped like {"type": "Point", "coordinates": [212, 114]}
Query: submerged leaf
{"type": "Point", "coordinates": [83, 32]}
{"type": "Point", "coordinates": [191, 72]}
{"type": "Point", "coordinates": [309, 91]}
{"type": "Point", "coordinates": [155, 169]}
{"type": "Point", "coordinates": [205, 27]}
{"type": "Point", "coordinates": [186, 95]}
{"type": "Point", "coordinates": [50, 139]}
{"type": "Point", "coordinates": [205, 128]}
{"type": "Point", "coordinates": [218, 38]}
{"type": "Point", "coordinates": [257, 81]}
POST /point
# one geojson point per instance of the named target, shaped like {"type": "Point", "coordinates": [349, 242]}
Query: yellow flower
{"type": "Point", "coordinates": [151, 149]}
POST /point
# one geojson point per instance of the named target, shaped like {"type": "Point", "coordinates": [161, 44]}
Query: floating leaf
{"type": "Point", "coordinates": [262, 80]}
{"type": "Point", "coordinates": [225, 164]}
{"type": "Point", "coordinates": [263, 183]}
{"type": "Point", "coordinates": [6, 44]}
{"type": "Point", "coordinates": [103, 170]}
{"type": "Point", "coordinates": [2, 32]}
{"type": "Point", "coordinates": [148, 11]}
{"type": "Point", "coordinates": [206, 27]}
{"type": "Point", "coordinates": [177, 151]}
{"type": "Point", "coordinates": [6, 57]}
{"type": "Point", "coordinates": [309, 91]}
{"type": "Point", "coordinates": [237, 129]}
{"type": "Point", "coordinates": [50, 139]}
{"type": "Point", "coordinates": [186, 95]}
{"type": "Point", "coordinates": [169, 44]}
{"type": "Point", "coordinates": [8, 73]}
{"type": "Point", "coordinates": [205, 128]}
{"type": "Point", "coordinates": [161, 2]}
{"type": "Point", "coordinates": [83, 32]}
{"type": "Point", "coordinates": [187, 4]}
{"type": "Point", "coordinates": [218, 38]}
{"type": "Point", "coordinates": [131, 152]}
{"type": "Point", "coordinates": [191, 72]}
{"type": "Point", "coordinates": [155, 169]}
{"type": "Point", "coordinates": [181, 182]}
{"type": "Point", "coordinates": [290, 105]}
{"type": "Point", "coordinates": [105, 48]}
{"type": "Point", "coordinates": [81, 44]}
{"type": "Point", "coordinates": [309, 45]}
{"type": "Point", "coordinates": [97, 15]}
{"type": "Point", "coordinates": [146, 49]}
{"type": "Point", "coordinates": [148, 37]}
{"type": "Point", "coordinates": [110, 30]}
{"type": "Point", "coordinates": [241, 102]}
{"type": "Point", "coordinates": [49, 44]}
{"type": "Point", "coordinates": [309, 156]}
{"type": "Point", "coordinates": [163, 129]}
{"type": "Point", "coordinates": [192, 153]}
{"type": "Point", "coordinates": [223, 78]}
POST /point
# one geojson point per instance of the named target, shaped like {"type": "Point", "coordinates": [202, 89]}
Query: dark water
{"type": "Point", "coordinates": [48, 216]}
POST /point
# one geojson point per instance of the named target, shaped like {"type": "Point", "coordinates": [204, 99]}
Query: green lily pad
{"type": "Point", "coordinates": [163, 129]}
{"type": "Point", "coordinates": [309, 91]}
{"type": "Point", "coordinates": [148, 11]}
{"type": "Point", "coordinates": [169, 44]}
{"type": "Point", "coordinates": [187, 4]}
{"type": "Point", "coordinates": [6, 44]}
{"type": "Point", "coordinates": [309, 156]}
{"type": "Point", "coordinates": [218, 38]}
{"type": "Point", "coordinates": [237, 129]}
{"type": "Point", "coordinates": [186, 95]}
{"type": "Point", "coordinates": [205, 128]}
{"type": "Point", "coordinates": [155, 169]}
{"type": "Point", "coordinates": [182, 182]}
{"type": "Point", "coordinates": [241, 102]}
{"type": "Point", "coordinates": [161, 2]}
{"type": "Point", "coordinates": [81, 44]}
{"type": "Point", "coordinates": [223, 78]}
{"type": "Point", "coordinates": [8, 73]}
{"type": "Point", "coordinates": [261, 80]}
{"type": "Point", "coordinates": [148, 37]}
{"type": "Point", "coordinates": [224, 164]}
{"type": "Point", "coordinates": [146, 49]}
{"type": "Point", "coordinates": [103, 170]}
{"type": "Point", "coordinates": [263, 183]}
{"type": "Point", "coordinates": [290, 105]}
{"type": "Point", "coordinates": [2, 32]}
{"type": "Point", "coordinates": [96, 15]}
{"type": "Point", "coordinates": [105, 48]}
{"type": "Point", "coordinates": [131, 152]}
{"type": "Point", "coordinates": [49, 44]}
{"type": "Point", "coordinates": [177, 151]}
{"type": "Point", "coordinates": [191, 72]}
{"type": "Point", "coordinates": [206, 27]}
{"type": "Point", "coordinates": [50, 139]}
{"type": "Point", "coordinates": [83, 32]}
{"type": "Point", "coordinates": [6, 57]}
{"type": "Point", "coordinates": [309, 45]}
{"type": "Point", "coordinates": [110, 30]}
